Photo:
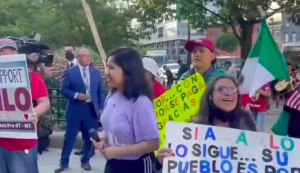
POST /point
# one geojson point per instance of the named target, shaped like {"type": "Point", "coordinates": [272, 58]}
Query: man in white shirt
{"type": "Point", "coordinates": [70, 55]}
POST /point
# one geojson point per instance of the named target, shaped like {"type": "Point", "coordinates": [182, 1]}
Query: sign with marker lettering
{"type": "Point", "coordinates": [179, 103]}
{"type": "Point", "coordinates": [210, 149]}
{"type": "Point", "coordinates": [15, 99]}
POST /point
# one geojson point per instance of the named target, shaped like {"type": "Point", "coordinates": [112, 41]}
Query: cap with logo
{"type": "Point", "coordinates": [190, 45]}
{"type": "Point", "coordinates": [8, 43]}
{"type": "Point", "coordinates": [151, 66]}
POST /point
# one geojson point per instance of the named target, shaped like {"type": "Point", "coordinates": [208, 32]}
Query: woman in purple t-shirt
{"type": "Point", "coordinates": [128, 119]}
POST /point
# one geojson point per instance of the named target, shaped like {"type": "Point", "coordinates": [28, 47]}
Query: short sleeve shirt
{"type": "Point", "coordinates": [158, 89]}
{"type": "Point", "coordinates": [38, 90]}
{"type": "Point", "coordinates": [128, 122]}
{"type": "Point", "coordinates": [261, 104]}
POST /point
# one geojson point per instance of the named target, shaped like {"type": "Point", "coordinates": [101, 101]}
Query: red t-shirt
{"type": "Point", "coordinates": [158, 89]}
{"type": "Point", "coordinates": [38, 90]}
{"type": "Point", "coordinates": [261, 104]}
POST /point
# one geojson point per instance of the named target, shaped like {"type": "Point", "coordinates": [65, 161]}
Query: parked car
{"type": "Point", "coordinates": [174, 67]}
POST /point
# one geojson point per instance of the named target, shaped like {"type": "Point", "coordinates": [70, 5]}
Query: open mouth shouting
{"type": "Point", "coordinates": [228, 100]}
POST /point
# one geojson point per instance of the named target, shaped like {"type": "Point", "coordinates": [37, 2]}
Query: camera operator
{"type": "Point", "coordinates": [40, 68]}
{"type": "Point", "coordinates": [20, 155]}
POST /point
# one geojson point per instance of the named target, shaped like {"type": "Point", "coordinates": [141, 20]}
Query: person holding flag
{"type": "Point", "coordinates": [264, 64]}
{"type": "Point", "coordinates": [259, 106]}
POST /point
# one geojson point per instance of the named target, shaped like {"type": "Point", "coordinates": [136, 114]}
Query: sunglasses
{"type": "Point", "coordinates": [227, 90]}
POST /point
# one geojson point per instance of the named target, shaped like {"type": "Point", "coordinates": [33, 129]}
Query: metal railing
{"type": "Point", "coordinates": [58, 104]}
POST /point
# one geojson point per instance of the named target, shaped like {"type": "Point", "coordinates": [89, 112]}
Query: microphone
{"type": "Point", "coordinates": [94, 135]}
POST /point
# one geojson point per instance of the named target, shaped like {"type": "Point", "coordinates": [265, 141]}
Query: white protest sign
{"type": "Point", "coordinates": [15, 99]}
{"type": "Point", "coordinates": [208, 149]}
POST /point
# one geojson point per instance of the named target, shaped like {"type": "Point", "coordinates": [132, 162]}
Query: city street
{"type": "Point", "coordinates": [50, 159]}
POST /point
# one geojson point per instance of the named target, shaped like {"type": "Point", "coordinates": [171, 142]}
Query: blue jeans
{"type": "Point", "coordinates": [18, 161]}
{"type": "Point", "coordinates": [259, 118]}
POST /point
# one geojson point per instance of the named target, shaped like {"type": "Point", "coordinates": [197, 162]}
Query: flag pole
{"type": "Point", "coordinates": [96, 36]}
{"type": "Point", "coordinates": [241, 78]}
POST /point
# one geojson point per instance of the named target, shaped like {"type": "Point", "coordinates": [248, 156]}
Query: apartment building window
{"type": "Point", "coordinates": [294, 37]}
{"type": "Point", "coordinates": [160, 32]}
{"type": "Point", "coordinates": [182, 52]}
{"type": "Point", "coordinates": [287, 23]}
{"type": "Point", "coordinates": [174, 52]}
{"type": "Point", "coordinates": [171, 31]}
{"type": "Point", "coordinates": [286, 37]}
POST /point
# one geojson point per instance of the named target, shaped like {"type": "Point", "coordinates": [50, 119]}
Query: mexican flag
{"type": "Point", "coordinates": [264, 64]}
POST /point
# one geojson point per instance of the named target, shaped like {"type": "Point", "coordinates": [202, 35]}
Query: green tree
{"type": "Point", "coordinates": [142, 51]}
{"type": "Point", "coordinates": [227, 41]}
{"type": "Point", "coordinates": [64, 21]}
{"type": "Point", "coordinates": [243, 13]}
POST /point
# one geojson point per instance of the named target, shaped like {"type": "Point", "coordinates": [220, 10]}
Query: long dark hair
{"type": "Point", "coordinates": [134, 79]}
{"type": "Point", "coordinates": [243, 118]}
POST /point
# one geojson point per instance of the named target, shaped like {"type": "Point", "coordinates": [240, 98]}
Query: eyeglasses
{"type": "Point", "coordinates": [227, 90]}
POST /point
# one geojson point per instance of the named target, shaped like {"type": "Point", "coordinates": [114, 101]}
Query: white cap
{"type": "Point", "coordinates": [151, 66]}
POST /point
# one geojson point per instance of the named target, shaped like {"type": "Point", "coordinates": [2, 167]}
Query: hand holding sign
{"type": "Point", "coordinates": [16, 109]}
{"type": "Point", "coordinates": [179, 103]}
{"type": "Point", "coordinates": [163, 153]}
{"type": "Point", "coordinates": [203, 148]}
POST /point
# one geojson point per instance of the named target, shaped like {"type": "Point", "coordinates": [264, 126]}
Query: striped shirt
{"type": "Point", "coordinates": [294, 100]}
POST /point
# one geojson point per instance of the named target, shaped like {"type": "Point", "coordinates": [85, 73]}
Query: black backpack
{"type": "Point", "coordinates": [45, 128]}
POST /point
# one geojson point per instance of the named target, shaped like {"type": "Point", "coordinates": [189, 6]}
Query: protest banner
{"type": "Point", "coordinates": [179, 103]}
{"type": "Point", "coordinates": [15, 99]}
{"type": "Point", "coordinates": [210, 149]}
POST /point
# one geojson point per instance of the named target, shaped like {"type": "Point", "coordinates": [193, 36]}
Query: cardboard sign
{"type": "Point", "coordinates": [15, 99]}
{"type": "Point", "coordinates": [179, 103]}
{"type": "Point", "coordinates": [209, 149]}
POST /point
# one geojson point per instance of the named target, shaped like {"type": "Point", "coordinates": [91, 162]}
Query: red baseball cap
{"type": "Point", "coordinates": [190, 45]}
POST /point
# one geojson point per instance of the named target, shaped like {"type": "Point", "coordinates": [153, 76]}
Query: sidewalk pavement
{"type": "Point", "coordinates": [49, 160]}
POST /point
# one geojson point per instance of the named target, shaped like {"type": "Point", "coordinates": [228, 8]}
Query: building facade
{"type": "Point", "coordinates": [290, 32]}
{"type": "Point", "coordinates": [275, 29]}
{"type": "Point", "coordinates": [171, 36]}
{"type": "Point", "coordinates": [213, 32]}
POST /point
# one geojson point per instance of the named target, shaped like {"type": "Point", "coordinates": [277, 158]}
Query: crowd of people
{"type": "Point", "coordinates": [126, 118]}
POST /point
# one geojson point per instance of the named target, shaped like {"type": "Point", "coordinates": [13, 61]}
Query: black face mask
{"type": "Point", "coordinates": [69, 55]}
{"type": "Point", "coordinates": [219, 114]}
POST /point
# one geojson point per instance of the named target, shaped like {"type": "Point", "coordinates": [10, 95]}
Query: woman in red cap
{"type": "Point", "coordinates": [203, 59]}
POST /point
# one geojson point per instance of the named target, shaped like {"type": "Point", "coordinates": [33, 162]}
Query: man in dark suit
{"type": "Point", "coordinates": [70, 55]}
{"type": "Point", "coordinates": [81, 85]}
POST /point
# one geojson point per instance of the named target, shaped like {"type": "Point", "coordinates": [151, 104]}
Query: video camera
{"type": "Point", "coordinates": [30, 45]}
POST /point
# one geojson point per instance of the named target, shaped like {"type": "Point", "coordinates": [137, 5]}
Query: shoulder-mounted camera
{"type": "Point", "coordinates": [31, 45]}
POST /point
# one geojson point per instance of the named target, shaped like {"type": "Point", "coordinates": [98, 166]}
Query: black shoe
{"type": "Point", "coordinates": [78, 152]}
{"type": "Point", "coordinates": [60, 168]}
{"type": "Point", "coordinates": [86, 166]}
